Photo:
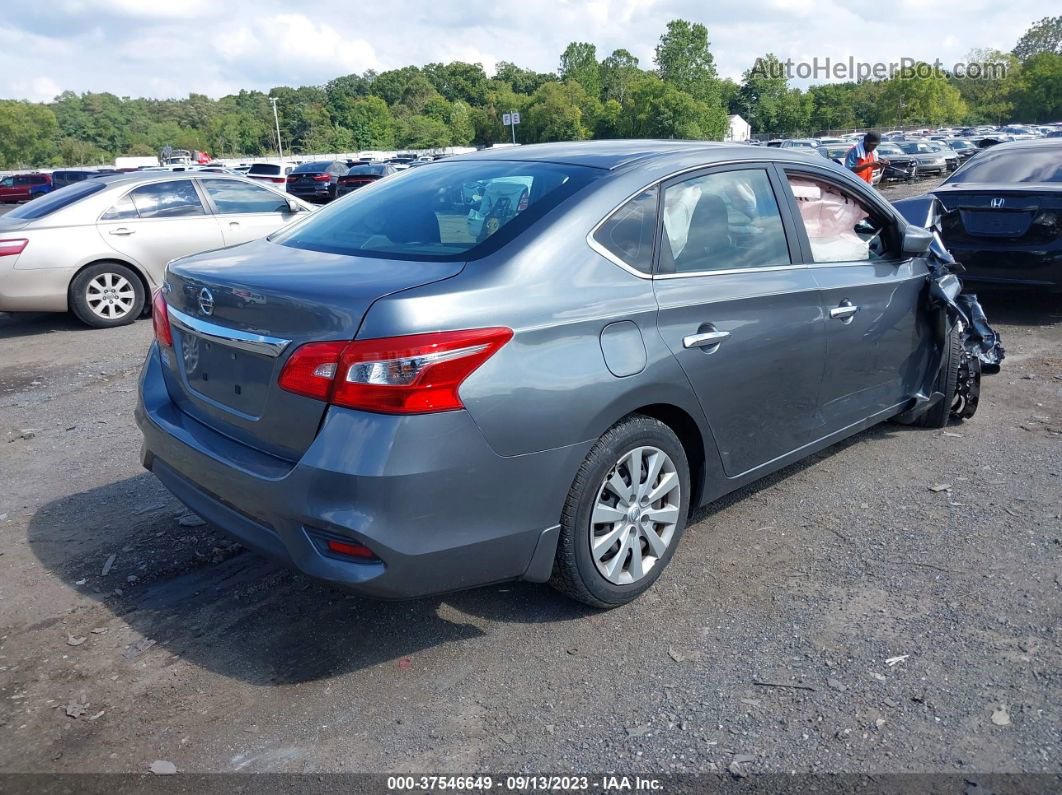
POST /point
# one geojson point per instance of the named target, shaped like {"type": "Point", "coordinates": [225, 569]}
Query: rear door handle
{"type": "Point", "coordinates": [844, 311]}
{"type": "Point", "coordinates": [122, 230]}
{"type": "Point", "coordinates": [234, 223]}
{"type": "Point", "coordinates": [705, 339]}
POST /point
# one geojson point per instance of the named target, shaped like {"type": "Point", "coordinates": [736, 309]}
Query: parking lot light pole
{"type": "Point", "coordinates": [276, 119]}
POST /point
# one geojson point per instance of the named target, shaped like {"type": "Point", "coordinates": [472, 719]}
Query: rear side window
{"type": "Point", "coordinates": [454, 211]}
{"type": "Point", "coordinates": [628, 233]}
{"type": "Point", "coordinates": [722, 221]}
{"type": "Point", "coordinates": [176, 199]}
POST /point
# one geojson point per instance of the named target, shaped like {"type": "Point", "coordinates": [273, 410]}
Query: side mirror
{"type": "Point", "coordinates": [294, 206]}
{"type": "Point", "coordinates": [916, 241]}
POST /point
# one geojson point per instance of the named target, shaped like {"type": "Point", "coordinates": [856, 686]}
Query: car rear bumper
{"type": "Point", "coordinates": [439, 508]}
{"type": "Point", "coordinates": [1005, 267]}
{"type": "Point", "coordinates": [310, 193]}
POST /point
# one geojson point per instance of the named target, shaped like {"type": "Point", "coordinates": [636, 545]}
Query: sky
{"type": "Point", "coordinates": [170, 48]}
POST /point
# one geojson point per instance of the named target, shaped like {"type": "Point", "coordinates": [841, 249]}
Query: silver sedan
{"type": "Point", "coordinates": [98, 248]}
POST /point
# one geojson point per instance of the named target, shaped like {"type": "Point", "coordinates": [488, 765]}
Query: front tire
{"type": "Point", "coordinates": [624, 515]}
{"type": "Point", "coordinates": [947, 382]}
{"type": "Point", "coordinates": [107, 294]}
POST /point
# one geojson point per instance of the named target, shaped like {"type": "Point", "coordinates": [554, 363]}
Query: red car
{"type": "Point", "coordinates": [23, 187]}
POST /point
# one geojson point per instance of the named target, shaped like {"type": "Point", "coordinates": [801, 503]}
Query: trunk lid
{"type": "Point", "coordinates": [1005, 213]}
{"type": "Point", "coordinates": [238, 313]}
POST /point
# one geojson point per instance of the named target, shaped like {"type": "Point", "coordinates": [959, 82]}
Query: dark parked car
{"type": "Point", "coordinates": [362, 174]}
{"type": "Point", "coordinates": [60, 179]}
{"type": "Point", "coordinates": [1003, 215]}
{"type": "Point", "coordinates": [317, 181]}
{"type": "Point", "coordinates": [412, 405]}
{"type": "Point", "coordinates": [23, 187]}
{"type": "Point", "coordinates": [901, 166]}
{"type": "Point", "coordinates": [964, 149]}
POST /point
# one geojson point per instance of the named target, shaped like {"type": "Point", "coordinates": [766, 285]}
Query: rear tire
{"type": "Point", "coordinates": [106, 295]}
{"type": "Point", "coordinates": [620, 528]}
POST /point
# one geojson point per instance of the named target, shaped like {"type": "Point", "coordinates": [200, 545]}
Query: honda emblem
{"type": "Point", "coordinates": [996, 203]}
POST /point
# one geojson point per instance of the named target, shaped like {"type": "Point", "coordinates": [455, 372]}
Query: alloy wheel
{"type": "Point", "coordinates": [634, 519]}
{"type": "Point", "coordinates": [110, 295]}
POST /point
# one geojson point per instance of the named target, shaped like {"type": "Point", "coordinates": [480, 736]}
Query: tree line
{"type": "Point", "coordinates": [457, 104]}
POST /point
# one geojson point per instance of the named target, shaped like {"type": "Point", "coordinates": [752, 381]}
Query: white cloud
{"type": "Point", "coordinates": [158, 48]}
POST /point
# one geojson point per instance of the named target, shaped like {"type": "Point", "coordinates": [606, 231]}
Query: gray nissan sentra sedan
{"type": "Point", "coordinates": [532, 364]}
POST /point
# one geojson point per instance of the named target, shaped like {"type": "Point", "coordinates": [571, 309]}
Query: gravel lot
{"type": "Point", "coordinates": [129, 633]}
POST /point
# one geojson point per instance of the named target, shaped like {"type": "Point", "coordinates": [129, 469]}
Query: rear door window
{"type": "Point", "coordinates": [629, 233]}
{"type": "Point", "coordinates": [175, 199]}
{"type": "Point", "coordinates": [726, 220]}
{"type": "Point", "coordinates": [230, 196]}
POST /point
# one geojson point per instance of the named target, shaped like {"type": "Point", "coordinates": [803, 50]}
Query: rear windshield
{"type": "Point", "coordinates": [56, 200]}
{"type": "Point", "coordinates": [357, 170]}
{"type": "Point", "coordinates": [1021, 164]}
{"type": "Point", "coordinates": [265, 169]}
{"type": "Point", "coordinates": [311, 167]}
{"type": "Point", "coordinates": [455, 211]}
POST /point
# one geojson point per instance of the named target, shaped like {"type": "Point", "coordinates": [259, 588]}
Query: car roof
{"type": "Point", "coordinates": [616, 154]}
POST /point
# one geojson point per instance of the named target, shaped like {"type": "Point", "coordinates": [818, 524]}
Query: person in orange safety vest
{"type": "Point", "coordinates": [863, 160]}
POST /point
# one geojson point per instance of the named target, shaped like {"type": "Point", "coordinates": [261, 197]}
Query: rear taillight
{"type": "Point", "coordinates": [293, 178]}
{"type": "Point", "coordinates": [11, 248]}
{"type": "Point", "coordinates": [280, 180]}
{"type": "Point", "coordinates": [160, 320]}
{"type": "Point", "coordinates": [415, 374]}
{"type": "Point", "coordinates": [322, 177]}
{"type": "Point", "coordinates": [311, 369]}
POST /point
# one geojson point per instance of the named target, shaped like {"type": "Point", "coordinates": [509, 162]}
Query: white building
{"type": "Point", "coordinates": [737, 129]}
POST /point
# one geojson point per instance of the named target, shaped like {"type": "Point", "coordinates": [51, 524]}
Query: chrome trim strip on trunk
{"type": "Point", "coordinates": [255, 343]}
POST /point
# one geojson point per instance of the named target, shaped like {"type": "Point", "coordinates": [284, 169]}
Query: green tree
{"type": "Point", "coordinates": [390, 86]}
{"type": "Point", "coordinates": [1039, 92]}
{"type": "Point", "coordinates": [657, 109]}
{"type": "Point", "coordinates": [579, 62]}
{"type": "Point", "coordinates": [422, 132]}
{"type": "Point", "coordinates": [989, 99]}
{"type": "Point", "coordinates": [915, 99]}
{"type": "Point", "coordinates": [618, 71]}
{"type": "Point", "coordinates": [684, 60]}
{"type": "Point", "coordinates": [459, 81]}
{"type": "Point", "coordinates": [555, 115]}
{"type": "Point", "coordinates": [370, 122]}
{"type": "Point", "coordinates": [462, 127]}
{"type": "Point", "coordinates": [522, 81]}
{"type": "Point", "coordinates": [28, 134]}
{"type": "Point", "coordinates": [1043, 36]}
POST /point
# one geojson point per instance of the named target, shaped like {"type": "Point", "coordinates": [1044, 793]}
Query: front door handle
{"type": "Point", "coordinates": [122, 230]}
{"type": "Point", "coordinates": [705, 339]}
{"type": "Point", "coordinates": [844, 311]}
{"type": "Point", "coordinates": [234, 224]}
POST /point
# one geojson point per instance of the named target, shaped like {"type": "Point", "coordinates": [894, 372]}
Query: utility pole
{"type": "Point", "coordinates": [276, 119]}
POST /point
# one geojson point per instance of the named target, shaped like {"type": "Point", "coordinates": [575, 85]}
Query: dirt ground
{"type": "Point", "coordinates": [849, 614]}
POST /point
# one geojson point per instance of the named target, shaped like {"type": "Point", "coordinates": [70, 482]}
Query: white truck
{"type": "Point", "coordinates": [136, 161]}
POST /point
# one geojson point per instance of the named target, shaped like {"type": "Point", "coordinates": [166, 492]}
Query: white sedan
{"type": "Point", "coordinates": [99, 248]}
